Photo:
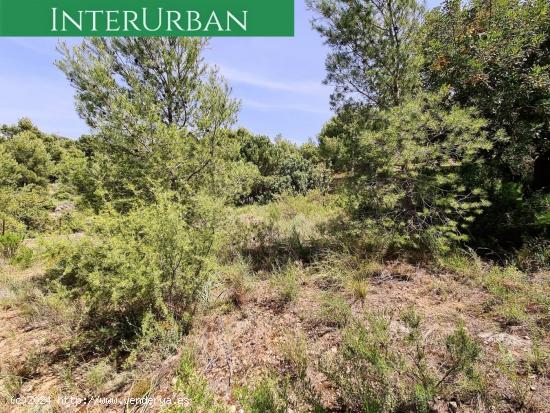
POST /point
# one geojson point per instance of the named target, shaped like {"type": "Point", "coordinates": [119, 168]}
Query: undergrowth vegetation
{"type": "Point", "coordinates": [400, 264]}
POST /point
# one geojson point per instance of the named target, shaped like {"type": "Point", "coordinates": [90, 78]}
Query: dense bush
{"type": "Point", "coordinates": [29, 155]}
{"type": "Point", "coordinates": [366, 369]}
{"type": "Point", "coordinates": [194, 387]}
{"type": "Point", "coordinates": [9, 243]}
{"type": "Point", "coordinates": [495, 56]}
{"type": "Point", "coordinates": [153, 262]}
{"type": "Point", "coordinates": [25, 209]}
{"type": "Point", "coordinates": [30, 163]}
{"type": "Point", "coordinates": [283, 167]}
{"type": "Point", "coordinates": [417, 171]}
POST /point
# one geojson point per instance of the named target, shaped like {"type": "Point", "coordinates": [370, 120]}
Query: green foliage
{"type": "Point", "coordinates": [10, 242]}
{"type": "Point", "coordinates": [194, 387]}
{"type": "Point", "coordinates": [29, 156]}
{"type": "Point", "coordinates": [418, 169]}
{"type": "Point", "coordinates": [534, 255]}
{"type": "Point", "coordinates": [372, 44]}
{"type": "Point", "coordinates": [268, 395]}
{"type": "Point", "coordinates": [23, 256]}
{"type": "Point", "coordinates": [28, 208]}
{"type": "Point", "coordinates": [515, 298]}
{"type": "Point", "coordinates": [334, 311]}
{"type": "Point", "coordinates": [495, 57]}
{"type": "Point", "coordinates": [423, 169]}
{"type": "Point", "coordinates": [98, 375]}
{"type": "Point", "coordinates": [371, 373]}
{"type": "Point", "coordinates": [462, 353]}
{"type": "Point", "coordinates": [286, 283]}
{"type": "Point", "coordinates": [365, 369]}
{"type": "Point", "coordinates": [520, 392]}
{"type": "Point", "coordinates": [359, 289]}
{"type": "Point", "coordinates": [293, 350]}
{"type": "Point", "coordinates": [339, 138]}
{"type": "Point", "coordinates": [32, 160]}
{"type": "Point", "coordinates": [160, 114]}
{"type": "Point", "coordinates": [283, 168]}
{"type": "Point", "coordinates": [236, 279]}
{"type": "Point", "coordinates": [152, 262]}
{"type": "Point", "coordinates": [155, 342]}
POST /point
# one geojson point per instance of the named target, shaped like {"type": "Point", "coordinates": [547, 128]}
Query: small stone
{"type": "Point", "coordinates": [333, 349]}
{"type": "Point", "coordinates": [232, 409]}
{"type": "Point", "coordinates": [174, 381]}
{"type": "Point", "coordinates": [533, 388]}
{"type": "Point", "coordinates": [453, 407]}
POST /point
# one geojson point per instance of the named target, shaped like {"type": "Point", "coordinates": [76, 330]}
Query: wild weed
{"type": "Point", "coordinates": [365, 370]}
{"type": "Point", "coordinates": [293, 350]}
{"type": "Point", "coordinates": [267, 395]}
{"type": "Point", "coordinates": [193, 386]}
{"type": "Point", "coordinates": [334, 311]}
{"type": "Point", "coordinates": [520, 386]}
{"type": "Point", "coordinates": [23, 257]}
{"type": "Point", "coordinates": [359, 289]}
{"type": "Point", "coordinates": [286, 283]}
{"type": "Point", "coordinates": [98, 375]}
{"type": "Point", "coordinates": [462, 353]}
{"type": "Point", "coordinates": [236, 279]}
{"type": "Point", "coordinates": [9, 243]}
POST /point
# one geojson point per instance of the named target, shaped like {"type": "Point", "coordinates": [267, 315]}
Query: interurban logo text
{"type": "Point", "coordinates": [147, 18]}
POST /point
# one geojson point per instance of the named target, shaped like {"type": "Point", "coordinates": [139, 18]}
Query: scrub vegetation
{"type": "Point", "coordinates": [400, 263]}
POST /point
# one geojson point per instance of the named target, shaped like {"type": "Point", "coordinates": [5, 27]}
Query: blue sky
{"type": "Point", "coordinates": [278, 80]}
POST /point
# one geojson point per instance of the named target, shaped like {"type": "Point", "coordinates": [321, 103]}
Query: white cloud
{"type": "Point", "coordinates": [303, 87]}
{"type": "Point", "coordinates": [289, 107]}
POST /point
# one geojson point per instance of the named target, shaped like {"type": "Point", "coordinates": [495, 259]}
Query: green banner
{"type": "Point", "coordinates": [146, 18]}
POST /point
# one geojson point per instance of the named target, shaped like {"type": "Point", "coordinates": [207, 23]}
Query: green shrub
{"type": "Point", "coordinates": [365, 370]}
{"type": "Point", "coordinates": [236, 279]}
{"type": "Point", "coordinates": [24, 209]}
{"type": "Point", "coordinates": [153, 262]}
{"type": "Point", "coordinates": [369, 269]}
{"type": "Point", "coordinates": [467, 265]}
{"type": "Point", "coordinates": [534, 255]}
{"type": "Point", "coordinates": [156, 341]}
{"type": "Point", "coordinates": [296, 386]}
{"type": "Point", "coordinates": [520, 393]}
{"type": "Point", "coordinates": [286, 283]}
{"type": "Point", "coordinates": [23, 257]}
{"type": "Point", "coordinates": [10, 242]}
{"type": "Point", "coordinates": [98, 375]}
{"type": "Point", "coordinates": [283, 169]}
{"type": "Point", "coordinates": [334, 311]}
{"type": "Point", "coordinates": [293, 350]}
{"type": "Point", "coordinates": [268, 395]}
{"type": "Point", "coordinates": [372, 373]}
{"type": "Point", "coordinates": [462, 353]}
{"type": "Point", "coordinates": [193, 386]}
{"type": "Point", "coordinates": [417, 171]}
{"type": "Point", "coordinates": [359, 289]}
